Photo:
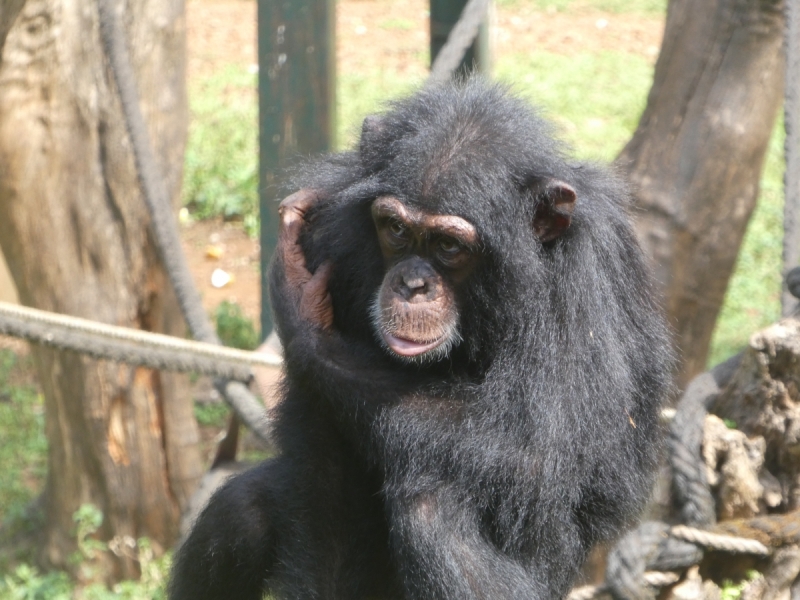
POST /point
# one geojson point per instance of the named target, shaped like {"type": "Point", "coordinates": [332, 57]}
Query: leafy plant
{"type": "Point", "coordinates": [28, 583]}
{"type": "Point", "coordinates": [23, 452]}
{"type": "Point", "coordinates": [88, 519]}
{"type": "Point", "coordinates": [733, 591]}
{"type": "Point", "coordinates": [234, 328]}
{"type": "Point", "coordinates": [220, 171]}
{"type": "Point", "coordinates": [211, 414]}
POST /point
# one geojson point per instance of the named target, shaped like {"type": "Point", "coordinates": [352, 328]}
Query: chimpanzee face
{"type": "Point", "coordinates": [426, 256]}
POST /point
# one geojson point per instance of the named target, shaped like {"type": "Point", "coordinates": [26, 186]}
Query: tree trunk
{"type": "Point", "coordinates": [75, 231]}
{"type": "Point", "coordinates": [695, 160]}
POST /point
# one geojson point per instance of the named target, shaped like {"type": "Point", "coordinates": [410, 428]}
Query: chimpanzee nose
{"type": "Point", "coordinates": [413, 279]}
{"type": "Point", "coordinates": [415, 283]}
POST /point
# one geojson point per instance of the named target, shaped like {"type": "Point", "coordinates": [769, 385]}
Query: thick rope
{"type": "Point", "coordinates": [690, 486]}
{"type": "Point", "coordinates": [643, 561]}
{"type": "Point", "coordinates": [459, 40]}
{"type": "Point", "coordinates": [716, 541]}
{"type": "Point", "coordinates": [150, 177]}
{"type": "Point", "coordinates": [649, 547]}
{"type": "Point", "coordinates": [132, 346]}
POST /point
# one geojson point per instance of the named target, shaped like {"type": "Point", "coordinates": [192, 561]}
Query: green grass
{"type": "Point", "coordinates": [220, 171]}
{"type": "Point", "coordinates": [23, 451]}
{"type": "Point", "coordinates": [211, 414]}
{"type": "Point", "coordinates": [234, 328]}
{"type": "Point", "coordinates": [362, 94]}
{"type": "Point", "coordinates": [595, 99]}
{"type": "Point", "coordinates": [397, 24]}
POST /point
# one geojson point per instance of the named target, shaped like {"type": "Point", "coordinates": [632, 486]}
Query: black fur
{"type": "Point", "coordinates": [490, 474]}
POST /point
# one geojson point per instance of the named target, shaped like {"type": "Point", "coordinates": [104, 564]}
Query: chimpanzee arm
{"type": "Point", "coordinates": [230, 551]}
{"type": "Point", "coordinates": [444, 554]}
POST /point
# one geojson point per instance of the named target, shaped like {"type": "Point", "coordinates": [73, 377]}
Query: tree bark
{"type": "Point", "coordinates": [695, 160]}
{"type": "Point", "coordinates": [75, 231]}
{"type": "Point", "coordinates": [9, 9]}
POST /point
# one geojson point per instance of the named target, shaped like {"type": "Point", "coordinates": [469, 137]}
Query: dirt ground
{"type": "Point", "coordinates": [372, 34]}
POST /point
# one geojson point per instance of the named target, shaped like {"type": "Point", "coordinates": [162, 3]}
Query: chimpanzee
{"type": "Point", "coordinates": [474, 365]}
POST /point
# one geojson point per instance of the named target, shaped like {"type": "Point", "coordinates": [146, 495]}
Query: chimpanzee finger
{"type": "Point", "coordinates": [316, 305]}
{"type": "Point", "coordinates": [291, 254]}
{"type": "Point", "coordinates": [292, 211]}
{"type": "Point", "coordinates": [298, 203]}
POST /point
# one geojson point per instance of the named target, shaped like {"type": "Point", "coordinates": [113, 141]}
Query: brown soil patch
{"type": "Point", "coordinates": [220, 33]}
{"type": "Point", "coordinates": [525, 30]}
{"type": "Point", "coordinates": [393, 35]}
{"type": "Point", "coordinates": [211, 245]}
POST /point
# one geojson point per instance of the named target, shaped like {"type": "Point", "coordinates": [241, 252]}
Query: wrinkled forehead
{"type": "Point", "coordinates": [390, 208]}
{"type": "Point", "coordinates": [468, 189]}
{"type": "Point", "coordinates": [472, 167]}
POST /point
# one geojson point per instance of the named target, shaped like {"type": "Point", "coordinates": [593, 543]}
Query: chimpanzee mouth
{"type": "Point", "coordinates": [410, 348]}
{"type": "Point", "coordinates": [413, 351]}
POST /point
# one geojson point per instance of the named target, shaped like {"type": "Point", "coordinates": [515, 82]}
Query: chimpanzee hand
{"type": "Point", "coordinates": [307, 293]}
{"type": "Point", "coordinates": [303, 310]}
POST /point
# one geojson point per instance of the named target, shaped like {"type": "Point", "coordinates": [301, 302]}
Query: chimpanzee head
{"type": "Point", "coordinates": [438, 224]}
{"type": "Point", "coordinates": [446, 181]}
{"type": "Point", "coordinates": [427, 257]}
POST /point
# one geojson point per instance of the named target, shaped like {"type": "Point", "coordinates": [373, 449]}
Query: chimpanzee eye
{"type": "Point", "coordinates": [449, 247]}
{"type": "Point", "coordinates": [397, 229]}
{"type": "Point", "coordinates": [395, 234]}
{"type": "Point", "coordinates": [398, 233]}
{"type": "Point", "coordinates": [449, 252]}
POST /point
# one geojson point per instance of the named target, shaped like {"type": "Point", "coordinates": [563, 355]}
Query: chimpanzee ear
{"type": "Point", "coordinates": [371, 130]}
{"type": "Point", "coordinates": [554, 211]}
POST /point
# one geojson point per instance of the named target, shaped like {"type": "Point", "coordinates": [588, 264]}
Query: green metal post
{"type": "Point", "coordinates": [296, 84]}
{"type": "Point", "coordinates": [444, 15]}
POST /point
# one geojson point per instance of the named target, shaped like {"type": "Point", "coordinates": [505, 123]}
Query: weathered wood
{"type": "Point", "coordinates": [696, 158]}
{"type": "Point", "coordinates": [763, 400]}
{"type": "Point", "coordinates": [74, 229]}
{"type": "Point", "coordinates": [751, 462]}
{"type": "Point", "coordinates": [8, 291]}
{"type": "Point", "coordinates": [9, 9]}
